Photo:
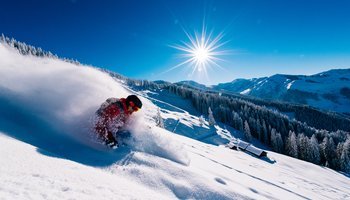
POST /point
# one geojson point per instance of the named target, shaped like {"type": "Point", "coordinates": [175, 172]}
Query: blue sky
{"type": "Point", "coordinates": [134, 37]}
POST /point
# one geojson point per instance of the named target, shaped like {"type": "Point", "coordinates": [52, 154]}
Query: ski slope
{"type": "Point", "coordinates": [47, 149]}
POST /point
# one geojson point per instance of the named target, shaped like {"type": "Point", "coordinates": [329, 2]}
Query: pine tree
{"type": "Point", "coordinates": [265, 133]}
{"type": "Point", "coordinates": [328, 148]}
{"type": "Point", "coordinates": [323, 151]}
{"type": "Point", "coordinates": [314, 150]}
{"type": "Point", "coordinates": [240, 124]}
{"type": "Point", "coordinates": [276, 141]}
{"type": "Point", "coordinates": [247, 133]}
{"type": "Point", "coordinates": [291, 145]}
{"type": "Point", "coordinates": [252, 126]}
{"type": "Point", "coordinates": [339, 151]}
{"type": "Point", "coordinates": [269, 135]}
{"type": "Point", "coordinates": [303, 147]}
{"type": "Point", "coordinates": [211, 117]}
{"type": "Point", "coordinates": [279, 143]}
{"type": "Point", "coordinates": [345, 157]}
{"type": "Point", "coordinates": [258, 130]}
{"type": "Point", "coordinates": [237, 121]}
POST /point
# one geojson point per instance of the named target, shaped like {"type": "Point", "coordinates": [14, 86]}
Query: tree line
{"type": "Point", "coordinates": [26, 49]}
{"type": "Point", "coordinates": [284, 135]}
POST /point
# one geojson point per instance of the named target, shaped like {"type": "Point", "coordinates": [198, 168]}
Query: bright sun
{"type": "Point", "coordinates": [201, 54]}
{"type": "Point", "coordinates": [201, 51]}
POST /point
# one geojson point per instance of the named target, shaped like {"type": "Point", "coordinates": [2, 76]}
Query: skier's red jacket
{"type": "Point", "coordinates": [112, 116]}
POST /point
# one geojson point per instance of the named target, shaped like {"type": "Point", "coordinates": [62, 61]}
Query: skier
{"type": "Point", "coordinates": [112, 116]}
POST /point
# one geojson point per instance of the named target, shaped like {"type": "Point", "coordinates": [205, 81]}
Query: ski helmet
{"type": "Point", "coordinates": [135, 100]}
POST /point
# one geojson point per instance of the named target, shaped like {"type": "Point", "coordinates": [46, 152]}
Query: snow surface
{"type": "Point", "coordinates": [289, 85]}
{"type": "Point", "coordinates": [47, 152]}
{"type": "Point", "coordinates": [246, 91]}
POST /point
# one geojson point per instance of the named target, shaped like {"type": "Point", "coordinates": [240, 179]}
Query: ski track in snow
{"type": "Point", "coordinates": [46, 149]}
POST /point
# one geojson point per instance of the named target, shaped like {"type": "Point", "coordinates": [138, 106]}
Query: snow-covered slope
{"type": "Point", "coordinates": [47, 150]}
{"type": "Point", "coordinates": [193, 84]}
{"type": "Point", "coordinates": [328, 90]}
{"type": "Point", "coordinates": [213, 173]}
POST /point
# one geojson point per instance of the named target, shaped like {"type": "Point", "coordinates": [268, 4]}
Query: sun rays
{"type": "Point", "coordinates": [200, 52]}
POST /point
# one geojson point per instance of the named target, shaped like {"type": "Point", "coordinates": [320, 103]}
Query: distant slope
{"type": "Point", "coordinates": [328, 90]}
{"type": "Point", "coordinates": [193, 84]}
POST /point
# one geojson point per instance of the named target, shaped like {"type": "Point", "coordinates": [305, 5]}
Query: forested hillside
{"type": "Point", "coordinates": [284, 127]}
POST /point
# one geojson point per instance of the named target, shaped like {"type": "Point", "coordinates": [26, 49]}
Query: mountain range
{"type": "Point", "coordinates": [329, 90]}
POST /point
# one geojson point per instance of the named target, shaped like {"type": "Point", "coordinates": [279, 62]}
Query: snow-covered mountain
{"type": "Point", "coordinates": [48, 151]}
{"type": "Point", "coordinates": [328, 90]}
{"type": "Point", "coordinates": [193, 84]}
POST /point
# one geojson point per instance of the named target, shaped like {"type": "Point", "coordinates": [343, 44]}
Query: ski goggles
{"type": "Point", "coordinates": [133, 106]}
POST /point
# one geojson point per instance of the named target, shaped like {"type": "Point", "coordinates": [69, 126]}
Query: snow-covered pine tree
{"type": "Point", "coordinates": [314, 150]}
{"type": "Point", "coordinates": [345, 157]}
{"type": "Point", "coordinates": [304, 147]}
{"type": "Point", "coordinates": [237, 121]}
{"type": "Point", "coordinates": [259, 130]}
{"type": "Point", "coordinates": [252, 126]}
{"type": "Point", "coordinates": [339, 151]}
{"type": "Point", "coordinates": [240, 123]}
{"type": "Point", "coordinates": [247, 133]}
{"type": "Point", "coordinates": [291, 145]}
{"type": "Point", "coordinates": [323, 151]}
{"type": "Point", "coordinates": [328, 148]}
{"type": "Point", "coordinates": [211, 119]}
{"type": "Point", "coordinates": [265, 133]}
{"type": "Point", "coordinates": [279, 142]}
{"type": "Point", "coordinates": [332, 154]}
{"type": "Point", "coordinates": [276, 141]}
{"type": "Point", "coordinates": [273, 139]}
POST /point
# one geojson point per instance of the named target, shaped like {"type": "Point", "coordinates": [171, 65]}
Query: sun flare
{"type": "Point", "coordinates": [201, 51]}
{"type": "Point", "coordinates": [201, 54]}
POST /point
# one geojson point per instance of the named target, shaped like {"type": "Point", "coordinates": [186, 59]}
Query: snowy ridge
{"type": "Point", "coordinates": [47, 152]}
{"type": "Point", "coordinates": [328, 90]}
